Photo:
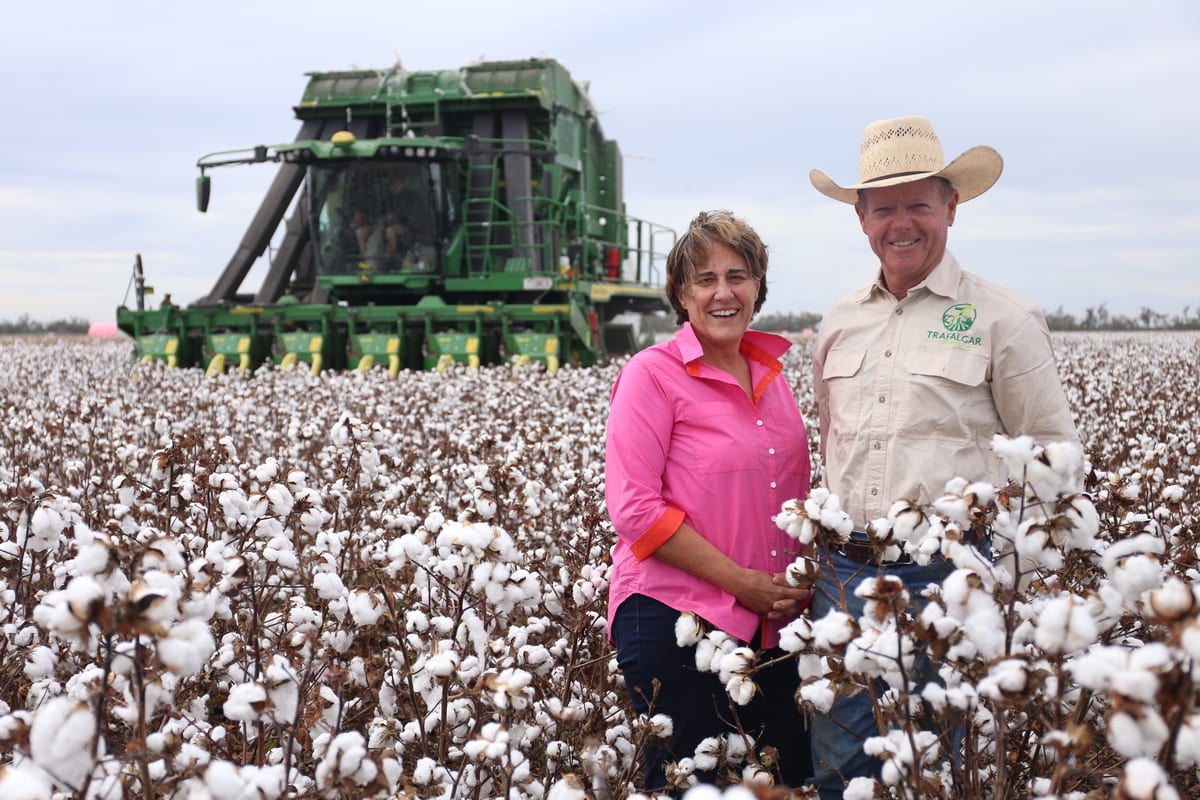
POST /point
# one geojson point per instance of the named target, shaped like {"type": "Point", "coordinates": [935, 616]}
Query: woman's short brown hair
{"type": "Point", "coordinates": [692, 250]}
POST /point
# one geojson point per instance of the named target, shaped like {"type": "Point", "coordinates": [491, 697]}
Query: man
{"type": "Point", "coordinates": [914, 374]}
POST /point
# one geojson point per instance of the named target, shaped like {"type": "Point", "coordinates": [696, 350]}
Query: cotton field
{"type": "Point", "coordinates": [350, 586]}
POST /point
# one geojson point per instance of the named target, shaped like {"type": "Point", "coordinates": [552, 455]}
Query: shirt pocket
{"type": "Point", "coordinates": [713, 437]}
{"type": "Point", "coordinates": [949, 394]}
{"type": "Point", "coordinates": [842, 375]}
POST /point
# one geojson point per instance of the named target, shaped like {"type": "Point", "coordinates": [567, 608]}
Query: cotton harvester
{"type": "Point", "coordinates": [472, 215]}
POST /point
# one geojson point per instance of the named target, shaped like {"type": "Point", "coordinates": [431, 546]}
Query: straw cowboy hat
{"type": "Point", "coordinates": [907, 149]}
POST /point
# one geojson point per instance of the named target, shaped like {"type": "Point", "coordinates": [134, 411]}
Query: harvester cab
{"type": "Point", "coordinates": [472, 215]}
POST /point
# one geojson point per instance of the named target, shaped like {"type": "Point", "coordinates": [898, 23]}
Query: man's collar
{"type": "Point", "coordinates": [942, 281]}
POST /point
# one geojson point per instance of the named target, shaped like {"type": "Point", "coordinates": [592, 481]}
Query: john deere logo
{"type": "Point", "coordinates": [959, 318]}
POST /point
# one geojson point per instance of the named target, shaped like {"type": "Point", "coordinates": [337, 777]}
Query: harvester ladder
{"type": "Point", "coordinates": [481, 212]}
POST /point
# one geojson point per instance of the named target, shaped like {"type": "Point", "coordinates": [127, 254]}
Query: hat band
{"type": "Point", "coordinates": [897, 175]}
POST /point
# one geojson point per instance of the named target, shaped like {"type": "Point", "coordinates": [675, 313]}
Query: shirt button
{"type": "Point", "coordinates": [882, 399]}
{"type": "Point", "coordinates": [874, 492]}
{"type": "Point", "coordinates": [875, 446]}
{"type": "Point", "coordinates": [899, 310]}
{"type": "Point", "coordinates": [887, 353]}
{"type": "Point", "coordinates": [771, 451]}
{"type": "Point", "coordinates": [772, 484]}
{"type": "Point", "coordinates": [759, 423]}
{"type": "Point", "coordinates": [774, 553]}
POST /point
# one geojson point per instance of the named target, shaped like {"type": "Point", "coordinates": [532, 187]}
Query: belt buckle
{"type": "Point", "coordinates": [863, 552]}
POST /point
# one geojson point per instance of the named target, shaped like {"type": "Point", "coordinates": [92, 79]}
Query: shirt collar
{"type": "Point", "coordinates": [765, 348]}
{"type": "Point", "coordinates": [942, 281]}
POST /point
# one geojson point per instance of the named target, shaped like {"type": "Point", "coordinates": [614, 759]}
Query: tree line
{"type": "Point", "coordinates": [1095, 318]}
{"type": "Point", "coordinates": [1099, 319]}
{"type": "Point", "coordinates": [26, 324]}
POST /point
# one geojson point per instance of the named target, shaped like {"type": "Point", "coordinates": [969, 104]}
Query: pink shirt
{"type": "Point", "coordinates": [685, 444]}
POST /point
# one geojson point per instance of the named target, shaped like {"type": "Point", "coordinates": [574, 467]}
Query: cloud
{"type": "Point", "coordinates": [712, 109]}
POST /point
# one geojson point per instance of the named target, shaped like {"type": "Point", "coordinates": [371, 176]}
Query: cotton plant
{"type": "Point", "coordinates": [1002, 648]}
{"type": "Point", "coordinates": [319, 577]}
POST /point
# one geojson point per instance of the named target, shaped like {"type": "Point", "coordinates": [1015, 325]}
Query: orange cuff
{"type": "Point", "coordinates": [658, 533]}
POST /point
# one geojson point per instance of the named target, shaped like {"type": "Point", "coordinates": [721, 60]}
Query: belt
{"type": "Point", "coordinates": [861, 551]}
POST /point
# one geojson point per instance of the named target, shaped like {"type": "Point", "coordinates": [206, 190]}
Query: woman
{"type": "Point", "coordinates": [704, 444]}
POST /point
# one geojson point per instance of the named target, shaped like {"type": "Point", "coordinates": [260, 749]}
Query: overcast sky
{"type": "Point", "coordinates": [1095, 107]}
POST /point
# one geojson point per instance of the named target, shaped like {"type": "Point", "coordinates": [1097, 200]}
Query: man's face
{"type": "Point", "coordinates": [907, 226]}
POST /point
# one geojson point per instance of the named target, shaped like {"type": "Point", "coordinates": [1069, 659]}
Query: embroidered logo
{"type": "Point", "coordinates": [959, 318]}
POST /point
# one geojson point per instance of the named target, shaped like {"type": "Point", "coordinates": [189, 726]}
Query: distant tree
{"type": "Point", "coordinates": [25, 325]}
{"type": "Point", "coordinates": [1060, 320]}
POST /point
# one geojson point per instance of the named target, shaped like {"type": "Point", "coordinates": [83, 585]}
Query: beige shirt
{"type": "Point", "coordinates": [910, 392]}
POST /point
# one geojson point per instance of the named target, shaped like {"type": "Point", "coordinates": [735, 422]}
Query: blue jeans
{"type": "Point", "coordinates": [837, 739]}
{"type": "Point", "coordinates": [644, 633]}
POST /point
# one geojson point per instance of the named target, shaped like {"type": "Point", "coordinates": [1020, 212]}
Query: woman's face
{"type": "Point", "coordinates": [719, 298]}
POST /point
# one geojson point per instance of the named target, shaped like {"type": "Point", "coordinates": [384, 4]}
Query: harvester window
{"type": "Point", "coordinates": [377, 216]}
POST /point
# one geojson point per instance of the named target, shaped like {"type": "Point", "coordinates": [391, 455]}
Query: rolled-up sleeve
{"type": "Point", "coordinates": [641, 418]}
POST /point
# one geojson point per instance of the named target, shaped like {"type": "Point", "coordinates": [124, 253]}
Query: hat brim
{"type": "Point", "coordinates": [971, 174]}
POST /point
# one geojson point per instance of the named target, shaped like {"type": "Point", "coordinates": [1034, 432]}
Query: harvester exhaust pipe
{"type": "Point", "coordinates": [139, 283]}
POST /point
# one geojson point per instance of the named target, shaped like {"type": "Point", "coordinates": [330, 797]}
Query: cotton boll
{"type": "Point", "coordinates": [739, 661]}
{"type": "Point", "coordinates": [708, 754]}
{"type": "Point", "coordinates": [246, 702]}
{"type": "Point", "coordinates": [817, 696]}
{"type": "Point", "coordinates": [1173, 601]}
{"type": "Point", "coordinates": [267, 471]}
{"type": "Point", "coordinates": [1065, 626]}
{"type": "Point", "coordinates": [802, 572]}
{"type": "Point", "coordinates": [1095, 669]}
{"type": "Point", "coordinates": [794, 521]}
{"type": "Point", "coordinates": [24, 781]}
{"type": "Point", "coordinates": [1007, 681]}
{"type": "Point", "coordinates": [346, 759]}
{"type": "Point", "coordinates": [96, 558]}
{"type": "Point", "coordinates": [905, 520]}
{"type": "Point", "coordinates": [1016, 453]}
{"type": "Point", "coordinates": [45, 528]}
{"type": "Point", "coordinates": [40, 663]}
{"type": "Point", "coordinates": [153, 601]}
{"type": "Point", "coordinates": [1136, 574]}
{"type": "Point", "coordinates": [283, 691]}
{"type": "Point", "coordinates": [60, 741]}
{"type": "Point", "coordinates": [703, 792]}
{"type": "Point", "coordinates": [187, 647]}
{"type": "Point", "coordinates": [1141, 732]}
{"type": "Point", "coordinates": [568, 787]}
{"type": "Point", "coordinates": [811, 665]}
{"type": "Point", "coordinates": [862, 789]}
{"type": "Point", "coordinates": [1055, 469]}
{"type": "Point", "coordinates": [1187, 743]}
{"type": "Point", "coordinates": [689, 629]}
{"type": "Point", "coordinates": [329, 586]}
{"type": "Point", "coordinates": [796, 635]}
{"type": "Point", "coordinates": [68, 612]}
{"type": "Point", "coordinates": [753, 774]}
{"type": "Point", "coordinates": [1144, 779]}
{"type": "Point", "coordinates": [280, 499]}
{"type": "Point", "coordinates": [365, 606]}
{"type": "Point", "coordinates": [833, 631]}
{"type": "Point", "coordinates": [661, 726]}
{"type": "Point", "coordinates": [1189, 640]}
{"type": "Point", "coordinates": [443, 664]}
